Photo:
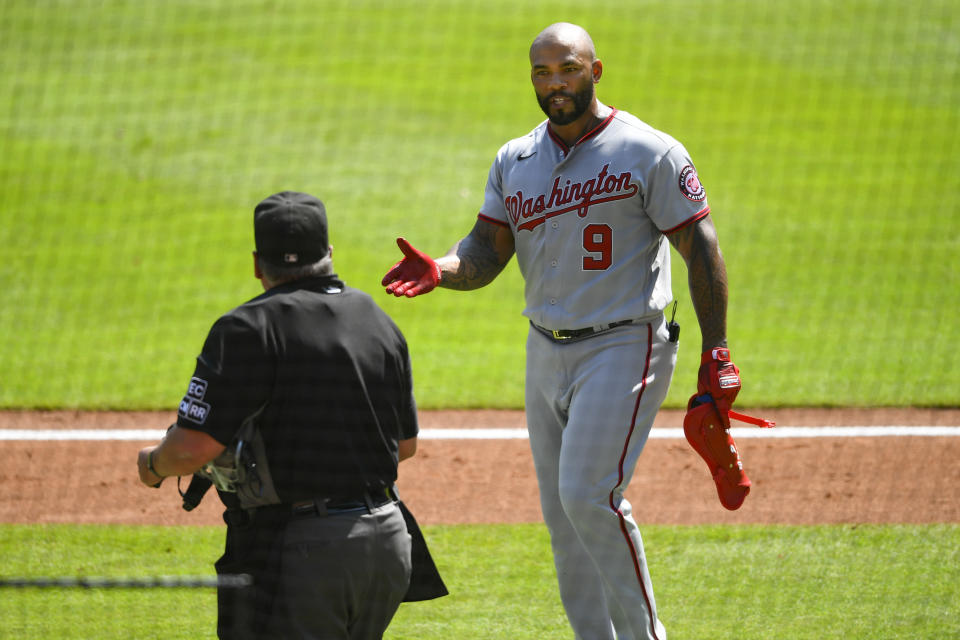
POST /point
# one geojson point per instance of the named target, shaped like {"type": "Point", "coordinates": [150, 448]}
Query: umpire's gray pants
{"type": "Point", "coordinates": [342, 576]}
{"type": "Point", "coordinates": [336, 577]}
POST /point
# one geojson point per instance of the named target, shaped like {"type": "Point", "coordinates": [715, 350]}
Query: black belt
{"type": "Point", "coordinates": [570, 335]}
{"type": "Point", "coordinates": [322, 507]}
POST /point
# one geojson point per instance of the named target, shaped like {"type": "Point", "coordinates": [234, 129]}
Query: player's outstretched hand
{"type": "Point", "coordinates": [720, 378]}
{"type": "Point", "coordinates": [417, 273]}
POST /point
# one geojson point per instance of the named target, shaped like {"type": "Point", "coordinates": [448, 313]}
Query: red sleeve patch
{"type": "Point", "coordinates": [690, 185]}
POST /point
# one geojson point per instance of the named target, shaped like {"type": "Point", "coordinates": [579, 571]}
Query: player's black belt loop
{"type": "Point", "coordinates": [572, 335]}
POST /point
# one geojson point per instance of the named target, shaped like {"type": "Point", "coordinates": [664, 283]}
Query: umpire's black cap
{"type": "Point", "coordinates": [290, 229]}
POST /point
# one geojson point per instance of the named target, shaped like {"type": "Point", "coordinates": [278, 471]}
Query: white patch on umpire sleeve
{"type": "Point", "coordinates": [197, 388]}
{"type": "Point", "coordinates": [194, 410]}
{"type": "Point", "coordinates": [192, 406]}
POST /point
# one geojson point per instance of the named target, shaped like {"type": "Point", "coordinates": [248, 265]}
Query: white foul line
{"type": "Point", "coordinates": [82, 434]}
{"type": "Point", "coordinates": [660, 433]}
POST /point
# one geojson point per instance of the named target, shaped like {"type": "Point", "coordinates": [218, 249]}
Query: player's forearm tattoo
{"type": "Point", "coordinates": [708, 288]}
{"type": "Point", "coordinates": [707, 277]}
{"type": "Point", "coordinates": [474, 261]}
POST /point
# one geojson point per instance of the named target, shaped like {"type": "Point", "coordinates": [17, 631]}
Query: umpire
{"type": "Point", "coordinates": [299, 411]}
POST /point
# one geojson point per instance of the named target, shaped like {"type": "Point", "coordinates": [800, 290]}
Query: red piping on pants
{"type": "Point", "coordinates": [623, 455]}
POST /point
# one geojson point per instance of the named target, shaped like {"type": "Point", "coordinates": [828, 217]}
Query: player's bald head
{"type": "Point", "coordinates": [569, 35]}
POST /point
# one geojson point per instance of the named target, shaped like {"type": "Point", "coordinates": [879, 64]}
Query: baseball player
{"type": "Point", "coordinates": [588, 201]}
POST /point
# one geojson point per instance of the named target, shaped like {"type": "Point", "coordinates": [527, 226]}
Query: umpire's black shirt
{"type": "Point", "coordinates": [326, 372]}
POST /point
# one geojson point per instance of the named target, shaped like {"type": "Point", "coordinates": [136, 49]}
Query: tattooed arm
{"type": "Point", "coordinates": [470, 264]}
{"type": "Point", "coordinates": [478, 258]}
{"type": "Point", "coordinates": [707, 275]}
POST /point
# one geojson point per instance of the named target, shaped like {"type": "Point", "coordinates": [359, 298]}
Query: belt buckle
{"type": "Point", "coordinates": [557, 335]}
{"type": "Point", "coordinates": [309, 508]}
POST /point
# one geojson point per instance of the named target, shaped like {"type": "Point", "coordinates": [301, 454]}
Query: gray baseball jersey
{"type": "Point", "coordinates": [589, 222]}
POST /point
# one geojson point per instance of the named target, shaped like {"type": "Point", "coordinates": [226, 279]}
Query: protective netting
{"type": "Point", "coordinates": [136, 137]}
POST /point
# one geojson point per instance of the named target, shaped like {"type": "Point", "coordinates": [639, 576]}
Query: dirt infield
{"type": "Point", "coordinates": [795, 481]}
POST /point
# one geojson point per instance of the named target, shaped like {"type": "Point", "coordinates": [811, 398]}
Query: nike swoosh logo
{"type": "Point", "coordinates": [524, 157]}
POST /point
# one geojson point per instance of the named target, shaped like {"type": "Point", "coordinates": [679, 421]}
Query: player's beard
{"type": "Point", "coordinates": [581, 102]}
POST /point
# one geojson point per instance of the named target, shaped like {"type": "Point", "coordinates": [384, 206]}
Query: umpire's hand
{"type": "Point", "coordinates": [148, 475]}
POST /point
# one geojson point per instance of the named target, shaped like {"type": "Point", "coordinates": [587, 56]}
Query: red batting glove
{"type": "Point", "coordinates": [720, 378]}
{"type": "Point", "coordinates": [417, 273]}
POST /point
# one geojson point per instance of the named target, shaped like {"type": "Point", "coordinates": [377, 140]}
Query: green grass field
{"type": "Point", "coordinates": [748, 583]}
{"type": "Point", "coordinates": [137, 138]}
